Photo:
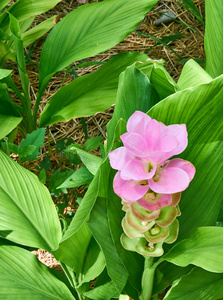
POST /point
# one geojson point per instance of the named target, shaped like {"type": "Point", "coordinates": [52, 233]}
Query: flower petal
{"type": "Point", "coordinates": [152, 134]}
{"type": "Point", "coordinates": [120, 157]}
{"type": "Point", "coordinates": [171, 180]}
{"type": "Point", "coordinates": [137, 122]}
{"type": "Point", "coordinates": [129, 190]}
{"type": "Point", "coordinates": [180, 132]}
{"type": "Point", "coordinates": [135, 143]}
{"type": "Point", "coordinates": [136, 170]}
{"type": "Point", "coordinates": [168, 143]}
{"type": "Point", "coordinates": [184, 165]}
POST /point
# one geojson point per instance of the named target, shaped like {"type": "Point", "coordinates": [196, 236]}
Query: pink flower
{"type": "Point", "coordinates": [144, 172]}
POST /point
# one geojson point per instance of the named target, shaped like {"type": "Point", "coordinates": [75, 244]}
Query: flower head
{"type": "Point", "coordinates": [149, 183]}
{"type": "Point", "coordinates": [143, 164]}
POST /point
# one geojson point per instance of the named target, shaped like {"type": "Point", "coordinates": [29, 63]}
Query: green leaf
{"type": "Point", "coordinates": [192, 74]}
{"type": "Point", "coordinates": [79, 177]}
{"type": "Point", "coordinates": [27, 209]}
{"type": "Point", "coordinates": [162, 81]}
{"type": "Point", "coordinates": [25, 24]}
{"type": "Point", "coordinates": [3, 3]}
{"type": "Point", "coordinates": [7, 124]}
{"type": "Point", "coordinates": [24, 9]}
{"type": "Point", "coordinates": [94, 28]}
{"type": "Point", "coordinates": [162, 41]}
{"type": "Point", "coordinates": [98, 224]}
{"type": "Point", "coordinates": [36, 32]}
{"type": "Point", "coordinates": [72, 252]}
{"type": "Point", "coordinates": [77, 231]}
{"type": "Point", "coordinates": [6, 53]}
{"type": "Point", "coordinates": [132, 261]}
{"type": "Point", "coordinates": [200, 108]}
{"type": "Point", "coordinates": [4, 73]}
{"type": "Point", "coordinates": [10, 147]}
{"type": "Point", "coordinates": [84, 209]}
{"type": "Point", "coordinates": [166, 274]}
{"type": "Point", "coordinates": [36, 138]}
{"type": "Point", "coordinates": [134, 93]}
{"type": "Point", "coordinates": [165, 40]}
{"type": "Point", "coordinates": [91, 161]}
{"type": "Point", "coordinates": [90, 93]}
{"type": "Point", "coordinates": [202, 249]}
{"type": "Point", "coordinates": [93, 142]}
{"type": "Point", "coordinates": [42, 176]}
{"type": "Point", "coordinates": [22, 276]}
{"type": "Point", "coordinates": [213, 39]}
{"type": "Point", "coordinates": [25, 152]}
{"type": "Point", "coordinates": [106, 291]}
{"type": "Point", "coordinates": [57, 179]}
{"type": "Point", "coordinates": [94, 263]}
{"type": "Point", "coordinates": [190, 6]}
{"type": "Point", "coordinates": [7, 107]}
{"type": "Point", "coordinates": [198, 284]}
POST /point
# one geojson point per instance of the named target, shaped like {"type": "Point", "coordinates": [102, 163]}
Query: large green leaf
{"type": "Point", "coordinates": [89, 94]}
{"type": "Point", "coordinates": [198, 284]}
{"type": "Point", "coordinates": [24, 9]}
{"type": "Point", "coordinates": [166, 274]}
{"type": "Point", "coordinates": [77, 237]}
{"type": "Point", "coordinates": [98, 224]}
{"type": "Point", "coordinates": [72, 252]}
{"type": "Point", "coordinates": [201, 109]}
{"type": "Point", "coordinates": [202, 249]}
{"type": "Point", "coordinates": [84, 209]}
{"type": "Point", "coordinates": [89, 30]}
{"type": "Point", "coordinates": [134, 93]}
{"type": "Point", "coordinates": [213, 40]}
{"type": "Point", "coordinates": [7, 124]}
{"type": "Point", "coordinates": [4, 3]}
{"type": "Point", "coordinates": [27, 210]}
{"type": "Point", "coordinates": [132, 261]}
{"type": "Point", "coordinates": [22, 276]}
{"type": "Point", "coordinates": [192, 74]}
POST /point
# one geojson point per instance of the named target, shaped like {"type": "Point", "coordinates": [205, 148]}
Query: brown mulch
{"type": "Point", "coordinates": [190, 45]}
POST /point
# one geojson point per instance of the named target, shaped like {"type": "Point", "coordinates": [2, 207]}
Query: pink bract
{"type": "Point", "coordinates": [143, 165]}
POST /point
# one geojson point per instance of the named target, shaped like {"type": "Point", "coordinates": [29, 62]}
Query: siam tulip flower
{"type": "Point", "coordinates": [144, 172]}
{"type": "Point", "coordinates": [149, 183]}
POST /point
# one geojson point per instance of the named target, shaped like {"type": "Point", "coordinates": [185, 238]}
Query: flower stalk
{"type": "Point", "coordinates": [147, 279]}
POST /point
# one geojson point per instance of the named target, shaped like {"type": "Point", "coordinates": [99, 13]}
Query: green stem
{"type": "Point", "coordinates": [147, 279]}
{"type": "Point", "coordinates": [28, 122]}
{"type": "Point", "coordinates": [38, 99]}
